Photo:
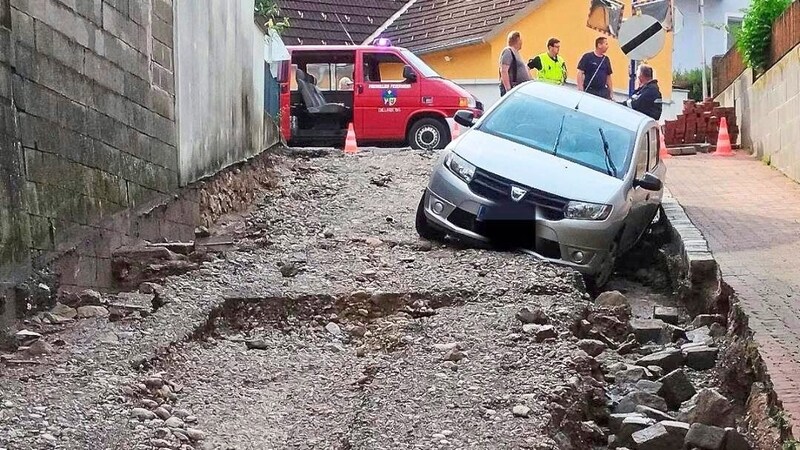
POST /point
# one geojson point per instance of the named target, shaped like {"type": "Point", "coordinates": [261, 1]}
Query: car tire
{"type": "Point", "coordinates": [596, 282]}
{"type": "Point", "coordinates": [428, 134]}
{"type": "Point", "coordinates": [425, 229]}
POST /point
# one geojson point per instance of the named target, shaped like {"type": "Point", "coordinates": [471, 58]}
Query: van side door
{"type": "Point", "coordinates": [384, 100]}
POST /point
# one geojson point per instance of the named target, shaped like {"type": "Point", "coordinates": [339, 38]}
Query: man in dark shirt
{"type": "Point", "coordinates": [594, 71]}
{"type": "Point", "coordinates": [647, 98]}
{"type": "Point", "coordinates": [512, 68]}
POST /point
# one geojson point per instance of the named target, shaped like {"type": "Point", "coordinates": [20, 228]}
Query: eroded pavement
{"type": "Point", "coordinates": [331, 325]}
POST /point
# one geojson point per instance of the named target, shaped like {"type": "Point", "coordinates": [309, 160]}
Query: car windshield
{"type": "Point", "coordinates": [424, 69]}
{"type": "Point", "coordinates": [563, 132]}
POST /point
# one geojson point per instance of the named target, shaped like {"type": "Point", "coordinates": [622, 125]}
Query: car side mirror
{"type": "Point", "coordinates": [465, 118]}
{"type": "Point", "coordinates": [649, 182]}
{"type": "Point", "coordinates": [409, 74]}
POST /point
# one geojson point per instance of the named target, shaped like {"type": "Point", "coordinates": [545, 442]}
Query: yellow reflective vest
{"type": "Point", "coordinates": [553, 71]}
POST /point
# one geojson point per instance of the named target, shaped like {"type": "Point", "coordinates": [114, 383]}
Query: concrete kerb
{"type": "Point", "coordinates": [702, 290]}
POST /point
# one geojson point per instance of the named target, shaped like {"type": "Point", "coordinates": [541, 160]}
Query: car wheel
{"type": "Point", "coordinates": [425, 229]}
{"type": "Point", "coordinates": [595, 282]}
{"type": "Point", "coordinates": [428, 134]}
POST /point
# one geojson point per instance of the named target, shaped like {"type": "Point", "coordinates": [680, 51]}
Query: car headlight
{"type": "Point", "coordinates": [460, 167]}
{"type": "Point", "coordinates": [586, 211]}
{"type": "Point", "coordinates": [467, 102]}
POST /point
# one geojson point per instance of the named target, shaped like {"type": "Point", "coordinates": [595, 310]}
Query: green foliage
{"type": "Point", "coordinates": [268, 10]}
{"type": "Point", "coordinates": [791, 444]}
{"type": "Point", "coordinates": [753, 39]}
{"type": "Point", "coordinates": [693, 81]}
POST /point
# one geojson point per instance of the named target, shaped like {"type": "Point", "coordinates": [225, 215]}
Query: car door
{"type": "Point", "coordinates": [383, 99]}
{"type": "Point", "coordinates": [637, 197]}
{"type": "Point", "coordinates": [656, 167]}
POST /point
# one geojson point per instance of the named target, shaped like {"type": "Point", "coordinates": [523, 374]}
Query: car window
{"type": "Point", "coordinates": [643, 156]}
{"type": "Point", "coordinates": [563, 132]}
{"type": "Point", "coordinates": [653, 148]}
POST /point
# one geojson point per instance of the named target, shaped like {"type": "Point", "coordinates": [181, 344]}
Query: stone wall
{"type": "Point", "coordinates": [768, 109]}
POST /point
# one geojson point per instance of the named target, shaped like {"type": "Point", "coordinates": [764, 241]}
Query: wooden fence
{"type": "Point", "coordinates": [785, 36]}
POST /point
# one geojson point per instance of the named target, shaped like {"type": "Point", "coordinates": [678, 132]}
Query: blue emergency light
{"type": "Point", "coordinates": [382, 42]}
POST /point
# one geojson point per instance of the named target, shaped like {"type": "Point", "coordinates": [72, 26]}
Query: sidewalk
{"type": "Point", "coordinates": [750, 215]}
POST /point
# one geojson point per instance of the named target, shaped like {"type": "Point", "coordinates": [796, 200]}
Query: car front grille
{"type": "Point", "coordinates": [498, 189]}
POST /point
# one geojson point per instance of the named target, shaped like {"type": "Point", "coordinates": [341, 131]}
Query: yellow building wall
{"type": "Point", "coordinates": [563, 19]}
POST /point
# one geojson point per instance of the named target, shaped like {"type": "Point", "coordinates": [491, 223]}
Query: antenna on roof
{"type": "Point", "coordinates": [345, 29]}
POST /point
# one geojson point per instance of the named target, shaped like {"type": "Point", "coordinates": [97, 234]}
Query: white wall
{"type": "Point", "coordinates": [686, 49]}
{"type": "Point", "coordinates": [220, 88]}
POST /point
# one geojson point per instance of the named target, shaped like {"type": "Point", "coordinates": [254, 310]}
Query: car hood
{"type": "Point", "coordinates": [536, 169]}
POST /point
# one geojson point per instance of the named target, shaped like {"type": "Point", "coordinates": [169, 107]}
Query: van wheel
{"type": "Point", "coordinates": [428, 134]}
{"type": "Point", "coordinates": [425, 229]}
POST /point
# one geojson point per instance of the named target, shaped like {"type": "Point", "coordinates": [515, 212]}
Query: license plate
{"type": "Point", "coordinates": [512, 211]}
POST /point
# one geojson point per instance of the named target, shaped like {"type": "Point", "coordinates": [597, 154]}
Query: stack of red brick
{"type": "Point", "coordinates": [699, 124]}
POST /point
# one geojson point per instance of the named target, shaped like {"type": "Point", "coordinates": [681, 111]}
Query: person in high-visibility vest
{"type": "Point", "coordinates": [550, 67]}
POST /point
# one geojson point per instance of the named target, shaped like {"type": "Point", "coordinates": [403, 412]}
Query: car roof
{"type": "Point", "coordinates": [587, 103]}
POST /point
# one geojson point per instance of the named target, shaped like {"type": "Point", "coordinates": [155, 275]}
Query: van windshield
{"type": "Point", "coordinates": [424, 69]}
{"type": "Point", "coordinates": [563, 132]}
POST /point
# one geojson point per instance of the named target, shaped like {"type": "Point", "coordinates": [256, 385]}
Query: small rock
{"type": "Point", "coordinates": [540, 332]}
{"type": "Point", "coordinates": [40, 348]}
{"type": "Point", "coordinates": [257, 344]}
{"type": "Point", "coordinates": [361, 351]}
{"type": "Point", "coordinates": [447, 347]}
{"type": "Point", "coordinates": [629, 376]}
{"type": "Point", "coordinates": [648, 330]}
{"type": "Point", "coordinates": [180, 434]}
{"type": "Point", "coordinates": [138, 362]}
{"type": "Point", "coordinates": [327, 233]}
{"type": "Point", "coordinates": [668, 360]}
{"type": "Point", "coordinates": [25, 338]}
{"type": "Point", "coordinates": [174, 422]}
{"type": "Point", "coordinates": [716, 330]}
{"type": "Point", "coordinates": [358, 331]}
{"type": "Point", "coordinates": [149, 404]}
{"type": "Point", "coordinates": [49, 437]}
{"type": "Point", "coordinates": [150, 288]}
{"type": "Point", "coordinates": [90, 297]}
{"type": "Point", "coordinates": [656, 371]}
{"type": "Point", "coordinates": [373, 242]}
{"type": "Point", "coordinates": [162, 413]}
{"type": "Point", "coordinates": [537, 316]}
{"type": "Point", "coordinates": [611, 299]}
{"type": "Point", "coordinates": [160, 443]}
{"type": "Point", "coordinates": [653, 413]}
{"type": "Point", "coordinates": [615, 420]}
{"type": "Point", "coordinates": [182, 413]}
{"type": "Point", "coordinates": [425, 246]}
{"type": "Point", "coordinates": [190, 419]}
{"type": "Point", "coordinates": [705, 437]}
{"type": "Point", "coordinates": [708, 407]}
{"type": "Point", "coordinates": [64, 311]}
{"type": "Point", "coordinates": [195, 434]}
{"type": "Point", "coordinates": [651, 387]}
{"type": "Point", "coordinates": [202, 232]}
{"type": "Point", "coordinates": [677, 429]}
{"type": "Point", "coordinates": [454, 355]}
{"type": "Point", "coordinates": [154, 382]}
{"type": "Point", "coordinates": [289, 269]}
{"type": "Point", "coordinates": [701, 358]}
{"type": "Point", "coordinates": [734, 440]}
{"type": "Point", "coordinates": [667, 314]}
{"type": "Point", "coordinates": [676, 388]}
{"type": "Point", "coordinates": [450, 365]}
{"type": "Point", "coordinates": [704, 320]}
{"type": "Point", "coordinates": [591, 347]}
{"type": "Point", "coordinates": [334, 329]}
{"type": "Point", "coordinates": [334, 346]}
{"type": "Point", "coordinates": [521, 411]}
{"type": "Point", "coordinates": [162, 433]}
{"type": "Point", "coordinates": [700, 336]}
{"type": "Point", "coordinates": [629, 426]}
{"type": "Point", "coordinates": [656, 437]}
{"type": "Point", "coordinates": [629, 402]}
{"type": "Point", "coordinates": [142, 414]}
{"type": "Point", "coordinates": [85, 312]}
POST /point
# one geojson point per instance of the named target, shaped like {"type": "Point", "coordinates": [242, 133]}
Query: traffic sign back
{"type": "Point", "coordinates": [641, 37]}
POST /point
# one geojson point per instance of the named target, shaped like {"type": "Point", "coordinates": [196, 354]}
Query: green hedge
{"type": "Point", "coordinates": [753, 39]}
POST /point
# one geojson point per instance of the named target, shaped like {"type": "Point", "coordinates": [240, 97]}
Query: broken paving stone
{"type": "Point", "coordinates": [629, 402]}
{"type": "Point", "coordinates": [678, 429]}
{"type": "Point", "coordinates": [667, 314]}
{"type": "Point", "coordinates": [708, 407]}
{"type": "Point", "coordinates": [630, 375]}
{"type": "Point", "coordinates": [591, 347]}
{"type": "Point", "coordinates": [648, 330]}
{"type": "Point", "coordinates": [202, 232]}
{"type": "Point", "coordinates": [64, 311]}
{"type": "Point", "coordinates": [536, 316]}
{"type": "Point", "coordinates": [257, 344]}
{"type": "Point", "coordinates": [706, 437]}
{"type": "Point", "coordinates": [653, 413]}
{"type": "Point", "coordinates": [716, 330]}
{"type": "Point", "coordinates": [90, 297]}
{"type": "Point", "coordinates": [655, 437]}
{"type": "Point", "coordinates": [676, 388]}
{"type": "Point", "coordinates": [540, 332]}
{"type": "Point", "coordinates": [25, 337]}
{"type": "Point", "coordinates": [150, 288]}
{"type": "Point", "coordinates": [655, 371]}
{"type": "Point", "coordinates": [651, 387]}
{"type": "Point", "coordinates": [668, 360]}
{"type": "Point", "coordinates": [701, 358]}
{"type": "Point", "coordinates": [700, 335]}
{"type": "Point", "coordinates": [704, 320]}
{"type": "Point", "coordinates": [631, 425]}
{"type": "Point", "coordinates": [521, 411]}
{"type": "Point", "coordinates": [611, 299]}
{"type": "Point", "coordinates": [615, 420]}
{"type": "Point", "coordinates": [85, 312]}
{"type": "Point", "coordinates": [734, 440]}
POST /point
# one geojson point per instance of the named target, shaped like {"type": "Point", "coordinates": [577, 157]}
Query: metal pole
{"type": "Point", "coordinates": [632, 80]}
{"type": "Point", "coordinates": [703, 47]}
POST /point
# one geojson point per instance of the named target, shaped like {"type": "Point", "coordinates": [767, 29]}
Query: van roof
{"type": "Point", "coordinates": [337, 48]}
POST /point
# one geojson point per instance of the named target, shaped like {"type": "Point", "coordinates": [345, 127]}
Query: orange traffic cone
{"type": "Point", "coordinates": [723, 140]}
{"type": "Point", "coordinates": [662, 151]}
{"type": "Point", "coordinates": [454, 131]}
{"type": "Point", "coordinates": [350, 144]}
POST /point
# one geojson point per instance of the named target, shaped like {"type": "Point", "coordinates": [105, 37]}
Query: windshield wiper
{"type": "Point", "coordinates": [558, 137]}
{"type": "Point", "coordinates": [609, 163]}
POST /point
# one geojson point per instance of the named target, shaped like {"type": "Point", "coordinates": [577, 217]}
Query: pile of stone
{"type": "Point", "coordinates": [654, 405]}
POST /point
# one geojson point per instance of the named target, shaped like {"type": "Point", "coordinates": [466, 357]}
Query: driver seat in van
{"type": "Point", "coordinates": [313, 98]}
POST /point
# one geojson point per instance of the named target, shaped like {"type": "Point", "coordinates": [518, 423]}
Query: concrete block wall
{"type": "Point", "coordinates": [768, 109]}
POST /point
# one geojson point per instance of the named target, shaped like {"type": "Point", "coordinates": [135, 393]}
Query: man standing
{"type": "Point", "coordinates": [594, 71]}
{"type": "Point", "coordinates": [512, 67]}
{"type": "Point", "coordinates": [550, 67]}
{"type": "Point", "coordinates": [647, 98]}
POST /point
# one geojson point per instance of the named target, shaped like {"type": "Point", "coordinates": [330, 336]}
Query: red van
{"type": "Point", "coordinates": [387, 93]}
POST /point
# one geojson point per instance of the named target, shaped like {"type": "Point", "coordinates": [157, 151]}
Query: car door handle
{"type": "Point", "coordinates": [360, 89]}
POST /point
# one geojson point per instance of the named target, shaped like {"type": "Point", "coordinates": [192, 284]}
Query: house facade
{"type": "Point", "coordinates": [722, 18]}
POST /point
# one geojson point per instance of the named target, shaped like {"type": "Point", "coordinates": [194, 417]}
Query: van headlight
{"type": "Point", "coordinates": [467, 102]}
{"type": "Point", "coordinates": [586, 211]}
{"type": "Point", "coordinates": [460, 167]}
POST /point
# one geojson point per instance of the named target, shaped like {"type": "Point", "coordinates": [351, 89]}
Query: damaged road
{"type": "Point", "coordinates": [324, 322]}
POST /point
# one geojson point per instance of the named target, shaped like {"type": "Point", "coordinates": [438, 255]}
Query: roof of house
{"type": "Point", "coordinates": [334, 22]}
{"type": "Point", "coordinates": [432, 25]}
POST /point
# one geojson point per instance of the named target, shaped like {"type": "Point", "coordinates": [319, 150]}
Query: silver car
{"type": "Point", "coordinates": [573, 178]}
